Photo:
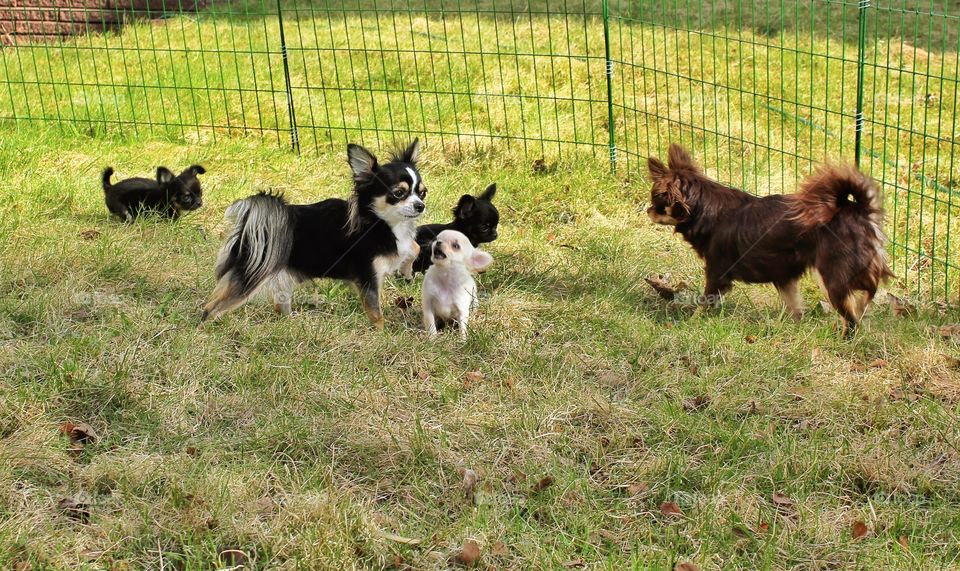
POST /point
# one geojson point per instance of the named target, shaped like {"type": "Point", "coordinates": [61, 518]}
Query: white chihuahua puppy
{"type": "Point", "coordinates": [448, 287]}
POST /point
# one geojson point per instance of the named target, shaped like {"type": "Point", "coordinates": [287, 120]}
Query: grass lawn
{"type": "Point", "coordinates": [320, 443]}
{"type": "Point", "coordinates": [606, 428]}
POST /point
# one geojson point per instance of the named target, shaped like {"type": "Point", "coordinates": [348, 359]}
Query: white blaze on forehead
{"type": "Point", "coordinates": [413, 177]}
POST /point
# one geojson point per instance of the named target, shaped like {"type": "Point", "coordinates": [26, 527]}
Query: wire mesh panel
{"type": "Point", "coordinates": [466, 74]}
{"type": "Point", "coordinates": [741, 84]}
{"type": "Point", "coordinates": [910, 137]}
{"type": "Point", "coordinates": [159, 69]}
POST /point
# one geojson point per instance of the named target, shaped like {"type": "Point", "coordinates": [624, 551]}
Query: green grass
{"type": "Point", "coordinates": [315, 442]}
{"type": "Point", "coordinates": [306, 442]}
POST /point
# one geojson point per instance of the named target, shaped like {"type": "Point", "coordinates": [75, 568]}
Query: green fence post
{"type": "Point", "coordinates": [294, 135]}
{"type": "Point", "coordinates": [861, 62]}
{"type": "Point", "coordinates": [609, 70]}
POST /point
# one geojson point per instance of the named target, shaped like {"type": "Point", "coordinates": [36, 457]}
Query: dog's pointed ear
{"type": "Point", "coordinates": [489, 193]}
{"type": "Point", "coordinates": [164, 175]}
{"type": "Point", "coordinates": [658, 170]}
{"type": "Point", "coordinates": [412, 153]}
{"type": "Point", "coordinates": [464, 206]}
{"type": "Point", "coordinates": [479, 261]}
{"type": "Point", "coordinates": [196, 169]}
{"type": "Point", "coordinates": [362, 162]}
{"type": "Point", "coordinates": [679, 158]}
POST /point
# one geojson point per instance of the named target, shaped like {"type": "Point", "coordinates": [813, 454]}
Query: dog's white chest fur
{"type": "Point", "coordinates": [449, 292]}
{"type": "Point", "coordinates": [405, 234]}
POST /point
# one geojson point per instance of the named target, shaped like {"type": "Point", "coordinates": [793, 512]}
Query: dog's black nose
{"type": "Point", "coordinates": [419, 207]}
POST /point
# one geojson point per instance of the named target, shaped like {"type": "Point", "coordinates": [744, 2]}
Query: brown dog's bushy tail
{"type": "Point", "coordinates": [105, 178]}
{"type": "Point", "coordinates": [844, 206]}
{"type": "Point", "coordinates": [832, 189]}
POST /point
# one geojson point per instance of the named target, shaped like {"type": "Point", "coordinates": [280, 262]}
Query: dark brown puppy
{"type": "Point", "coordinates": [831, 226]}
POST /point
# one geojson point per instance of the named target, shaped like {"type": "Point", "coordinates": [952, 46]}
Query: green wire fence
{"type": "Point", "coordinates": [761, 92]}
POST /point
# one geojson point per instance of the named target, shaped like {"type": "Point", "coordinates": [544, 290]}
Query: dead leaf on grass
{"type": "Point", "coordinates": [233, 557]}
{"type": "Point", "coordinates": [74, 509]}
{"type": "Point", "coordinates": [468, 555]}
{"type": "Point", "coordinates": [638, 488]}
{"type": "Point", "coordinates": [750, 339]}
{"type": "Point", "coordinates": [904, 542]}
{"type": "Point", "coordinates": [544, 483]}
{"type": "Point", "coordinates": [696, 403]}
{"type": "Point", "coordinates": [471, 378]}
{"type": "Point", "coordinates": [686, 566]}
{"type": "Point", "coordinates": [90, 234]}
{"type": "Point", "coordinates": [404, 302]}
{"type": "Point", "coordinates": [661, 284]}
{"type": "Point", "coordinates": [470, 479]}
{"type": "Point", "coordinates": [858, 529]}
{"type": "Point", "coordinates": [574, 564]}
{"type": "Point", "coordinates": [901, 307]}
{"type": "Point", "coordinates": [670, 509]}
{"type": "Point", "coordinates": [763, 527]}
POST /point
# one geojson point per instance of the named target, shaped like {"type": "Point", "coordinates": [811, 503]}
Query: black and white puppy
{"type": "Point", "coordinates": [474, 216]}
{"type": "Point", "coordinates": [168, 195]}
{"type": "Point", "coordinates": [274, 245]}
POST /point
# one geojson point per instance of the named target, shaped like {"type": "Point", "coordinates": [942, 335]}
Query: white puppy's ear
{"type": "Point", "coordinates": [479, 261]}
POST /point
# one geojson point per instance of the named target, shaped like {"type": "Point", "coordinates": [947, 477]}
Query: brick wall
{"type": "Point", "coordinates": [49, 20]}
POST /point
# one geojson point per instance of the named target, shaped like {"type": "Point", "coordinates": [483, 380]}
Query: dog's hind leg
{"type": "Point", "coordinates": [226, 297]}
{"type": "Point", "coordinates": [790, 295]}
{"type": "Point", "coordinates": [281, 287]}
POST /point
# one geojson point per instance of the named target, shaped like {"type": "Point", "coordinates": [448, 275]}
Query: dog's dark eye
{"type": "Point", "coordinates": [456, 245]}
{"type": "Point", "coordinates": [399, 192]}
{"type": "Point", "coordinates": [422, 191]}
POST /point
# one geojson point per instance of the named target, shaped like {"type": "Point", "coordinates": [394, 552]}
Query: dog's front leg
{"type": "Point", "coordinates": [429, 319]}
{"type": "Point", "coordinates": [717, 286]}
{"type": "Point", "coordinates": [370, 297]}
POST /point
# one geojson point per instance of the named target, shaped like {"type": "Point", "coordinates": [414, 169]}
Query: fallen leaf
{"type": "Point", "coordinates": [661, 284]}
{"type": "Point", "coordinates": [232, 557]}
{"type": "Point", "coordinates": [763, 527]}
{"type": "Point", "coordinates": [781, 500]}
{"type": "Point", "coordinates": [74, 509]}
{"type": "Point", "coordinates": [471, 378]}
{"type": "Point", "coordinates": [90, 234]}
{"type": "Point", "coordinates": [498, 549]}
{"type": "Point", "coordinates": [469, 484]}
{"type": "Point", "coordinates": [670, 509]}
{"type": "Point", "coordinates": [740, 531]}
{"type": "Point", "coordinates": [423, 375]}
{"type": "Point", "coordinates": [750, 339]}
{"type": "Point", "coordinates": [877, 364]}
{"type": "Point", "coordinates": [544, 483]}
{"type": "Point", "coordinates": [468, 555]}
{"type": "Point", "coordinates": [191, 451]}
{"type": "Point", "coordinates": [950, 331]}
{"type": "Point", "coordinates": [904, 543]}
{"type": "Point", "coordinates": [638, 488]}
{"type": "Point", "coordinates": [696, 403]}
{"type": "Point", "coordinates": [900, 307]}
{"type": "Point", "coordinates": [574, 564]}
{"type": "Point", "coordinates": [686, 566]}
{"type": "Point", "coordinates": [404, 302]}
{"type": "Point", "coordinates": [79, 432]}
{"type": "Point", "coordinates": [858, 529]}
{"type": "Point", "coordinates": [551, 237]}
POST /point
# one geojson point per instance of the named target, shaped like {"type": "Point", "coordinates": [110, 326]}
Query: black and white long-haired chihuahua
{"type": "Point", "coordinates": [274, 245]}
{"type": "Point", "coordinates": [474, 216]}
{"type": "Point", "coordinates": [168, 195]}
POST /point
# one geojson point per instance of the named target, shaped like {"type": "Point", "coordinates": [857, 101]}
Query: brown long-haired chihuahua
{"type": "Point", "coordinates": [832, 226]}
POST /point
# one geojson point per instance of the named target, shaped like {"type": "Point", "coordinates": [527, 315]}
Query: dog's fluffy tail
{"type": "Point", "coordinates": [105, 178]}
{"type": "Point", "coordinates": [844, 207]}
{"type": "Point", "coordinates": [256, 249]}
{"type": "Point", "coordinates": [833, 189]}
